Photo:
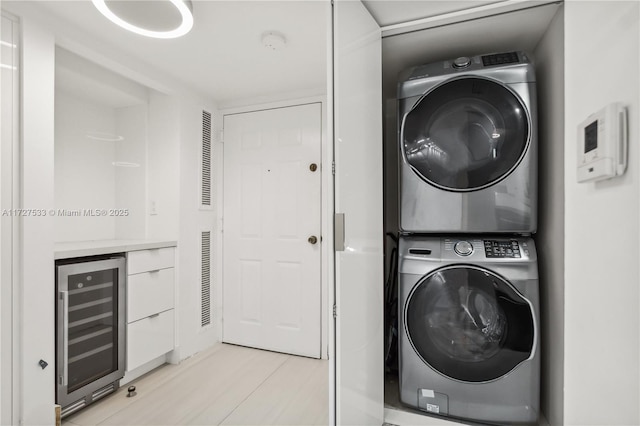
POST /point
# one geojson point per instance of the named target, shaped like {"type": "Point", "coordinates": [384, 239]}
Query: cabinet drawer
{"type": "Point", "coordinates": [150, 260]}
{"type": "Point", "coordinates": [149, 338]}
{"type": "Point", "coordinates": [149, 293]}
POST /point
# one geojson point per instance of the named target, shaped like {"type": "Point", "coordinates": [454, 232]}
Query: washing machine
{"type": "Point", "coordinates": [468, 146]}
{"type": "Point", "coordinates": [468, 325]}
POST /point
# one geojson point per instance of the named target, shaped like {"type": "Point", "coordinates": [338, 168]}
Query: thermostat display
{"type": "Point", "coordinates": [591, 137]}
{"type": "Point", "coordinates": [602, 144]}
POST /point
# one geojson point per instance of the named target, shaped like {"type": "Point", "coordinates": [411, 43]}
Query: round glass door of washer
{"type": "Point", "coordinates": [469, 324]}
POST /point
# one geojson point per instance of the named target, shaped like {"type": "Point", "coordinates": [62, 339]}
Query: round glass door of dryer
{"type": "Point", "coordinates": [469, 324]}
{"type": "Point", "coordinates": [466, 134]}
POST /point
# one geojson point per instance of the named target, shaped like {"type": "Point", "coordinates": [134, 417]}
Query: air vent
{"type": "Point", "coordinates": [206, 279]}
{"type": "Point", "coordinates": [103, 392]}
{"type": "Point", "coordinates": [206, 158]}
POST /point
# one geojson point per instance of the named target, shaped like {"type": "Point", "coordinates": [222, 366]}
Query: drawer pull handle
{"type": "Point", "coordinates": [154, 315]}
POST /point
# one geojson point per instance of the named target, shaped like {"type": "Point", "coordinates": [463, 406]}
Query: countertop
{"type": "Point", "coordinates": [96, 247]}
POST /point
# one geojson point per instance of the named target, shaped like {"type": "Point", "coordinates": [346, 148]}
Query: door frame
{"type": "Point", "coordinates": [326, 214]}
{"type": "Point", "coordinates": [10, 331]}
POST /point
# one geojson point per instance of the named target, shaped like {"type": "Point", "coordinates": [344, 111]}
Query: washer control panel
{"type": "Point", "coordinates": [502, 248]}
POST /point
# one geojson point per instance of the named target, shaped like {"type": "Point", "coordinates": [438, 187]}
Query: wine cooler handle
{"type": "Point", "coordinates": [65, 337]}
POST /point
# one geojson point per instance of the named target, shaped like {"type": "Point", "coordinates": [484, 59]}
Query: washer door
{"type": "Point", "coordinates": [469, 324]}
{"type": "Point", "coordinates": [466, 134]}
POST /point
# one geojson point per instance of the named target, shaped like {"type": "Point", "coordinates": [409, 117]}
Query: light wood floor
{"type": "Point", "coordinates": [225, 385]}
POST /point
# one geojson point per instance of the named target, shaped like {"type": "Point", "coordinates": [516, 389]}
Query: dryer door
{"type": "Point", "coordinates": [466, 134]}
{"type": "Point", "coordinates": [469, 324]}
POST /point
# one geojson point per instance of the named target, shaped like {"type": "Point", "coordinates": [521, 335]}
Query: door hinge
{"type": "Point", "coordinates": [333, 167]}
{"type": "Point", "coordinates": [335, 312]}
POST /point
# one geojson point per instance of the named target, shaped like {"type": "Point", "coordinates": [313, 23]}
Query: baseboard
{"type": "Point", "coordinates": [130, 376]}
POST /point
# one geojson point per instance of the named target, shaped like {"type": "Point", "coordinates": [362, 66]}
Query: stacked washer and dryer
{"type": "Point", "coordinates": [468, 308]}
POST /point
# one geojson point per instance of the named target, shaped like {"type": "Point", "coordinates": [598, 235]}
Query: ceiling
{"type": "Point", "coordinates": [222, 57]}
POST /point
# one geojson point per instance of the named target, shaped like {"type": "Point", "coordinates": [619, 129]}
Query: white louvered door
{"type": "Point", "coordinates": [271, 284]}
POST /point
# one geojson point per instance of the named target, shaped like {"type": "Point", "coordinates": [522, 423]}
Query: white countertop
{"type": "Point", "coordinates": [96, 247]}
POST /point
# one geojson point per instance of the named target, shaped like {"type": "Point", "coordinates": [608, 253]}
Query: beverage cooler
{"type": "Point", "coordinates": [90, 340]}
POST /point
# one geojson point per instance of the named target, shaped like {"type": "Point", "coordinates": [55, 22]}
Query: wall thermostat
{"type": "Point", "coordinates": [602, 144]}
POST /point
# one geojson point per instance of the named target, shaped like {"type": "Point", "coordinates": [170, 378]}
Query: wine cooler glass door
{"type": "Point", "coordinates": [90, 344]}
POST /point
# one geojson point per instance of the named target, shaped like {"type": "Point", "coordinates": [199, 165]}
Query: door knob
{"type": "Point", "coordinates": [313, 167]}
{"type": "Point", "coordinates": [312, 239]}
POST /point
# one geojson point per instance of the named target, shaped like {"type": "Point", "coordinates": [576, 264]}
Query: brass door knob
{"type": "Point", "coordinates": [312, 239]}
{"type": "Point", "coordinates": [313, 167]}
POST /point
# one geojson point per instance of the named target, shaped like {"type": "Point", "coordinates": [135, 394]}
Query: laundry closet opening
{"type": "Point", "coordinates": [538, 32]}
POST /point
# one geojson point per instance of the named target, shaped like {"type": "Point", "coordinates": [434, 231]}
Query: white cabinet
{"type": "Point", "coordinates": [149, 338]}
{"type": "Point", "coordinates": [150, 305]}
{"type": "Point", "coordinates": [150, 260]}
{"type": "Point", "coordinates": [149, 293]}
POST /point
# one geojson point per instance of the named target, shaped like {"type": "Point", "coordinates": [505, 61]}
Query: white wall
{"type": "Point", "coordinates": [86, 178]}
{"type": "Point", "coordinates": [174, 156]}
{"type": "Point", "coordinates": [84, 174]}
{"type": "Point", "coordinates": [602, 324]}
{"type": "Point", "coordinates": [130, 185]}
{"type": "Point", "coordinates": [37, 331]}
{"type": "Point", "coordinates": [163, 171]}
{"type": "Point", "coordinates": [193, 221]}
{"type": "Point", "coordinates": [549, 62]}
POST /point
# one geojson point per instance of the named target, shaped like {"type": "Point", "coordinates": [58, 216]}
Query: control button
{"type": "Point", "coordinates": [463, 248]}
{"type": "Point", "coordinates": [462, 62]}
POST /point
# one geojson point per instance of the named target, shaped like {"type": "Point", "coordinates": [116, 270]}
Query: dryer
{"type": "Point", "coordinates": [468, 146]}
{"type": "Point", "coordinates": [468, 325]}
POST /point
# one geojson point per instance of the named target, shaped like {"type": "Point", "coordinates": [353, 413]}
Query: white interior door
{"type": "Point", "coordinates": [272, 199]}
{"type": "Point", "coordinates": [358, 195]}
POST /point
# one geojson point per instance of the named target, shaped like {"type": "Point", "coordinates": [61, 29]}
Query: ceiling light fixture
{"type": "Point", "coordinates": [169, 19]}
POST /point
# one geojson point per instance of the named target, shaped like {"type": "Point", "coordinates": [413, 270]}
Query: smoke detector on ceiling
{"type": "Point", "coordinates": [273, 40]}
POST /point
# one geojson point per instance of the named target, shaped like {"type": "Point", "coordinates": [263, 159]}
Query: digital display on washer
{"type": "Point", "coordinates": [501, 248]}
{"type": "Point", "coordinates": [591, 137]}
